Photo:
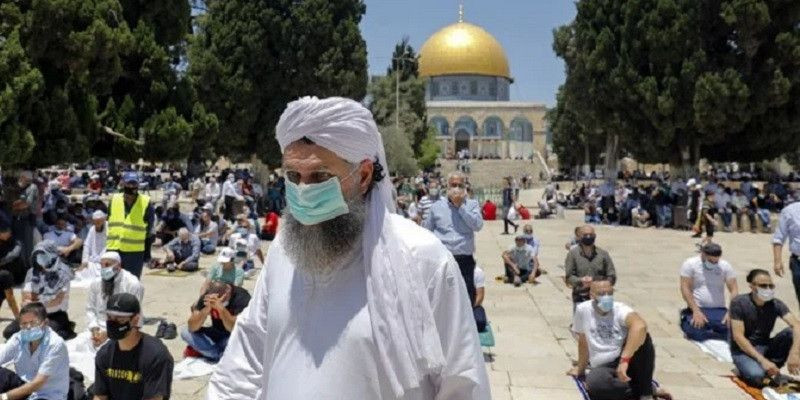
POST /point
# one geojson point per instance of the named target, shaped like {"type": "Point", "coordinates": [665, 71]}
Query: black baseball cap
{"type": "Point", "coordinates": [123, 305]}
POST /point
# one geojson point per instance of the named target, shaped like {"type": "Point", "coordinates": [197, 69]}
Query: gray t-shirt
{"type": "Point", "coordinates": [758, 321]}
{"type": "Point", "coordinates": [522, 256]}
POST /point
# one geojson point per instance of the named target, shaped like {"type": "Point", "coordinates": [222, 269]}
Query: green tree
{"type": "Point", "coordinates": [249, 58]}
{"type": "Point", "coordinates": [399, 155]}
{"type": "Point", "coordinates": [20, 87]}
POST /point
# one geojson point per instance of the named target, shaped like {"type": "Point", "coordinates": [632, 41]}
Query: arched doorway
{"type": "Point", "coordinates": [462, 140]}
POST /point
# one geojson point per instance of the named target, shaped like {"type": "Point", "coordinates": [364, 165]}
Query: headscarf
{"type": "Point", "coordinates": [49, 281]}
{"type": "Point", "coordinates": [402, 319]}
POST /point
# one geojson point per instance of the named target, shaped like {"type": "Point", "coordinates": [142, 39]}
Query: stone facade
{"type": "Point", "coordinates": [467, 87]}
{"type": "Point", "coordinates": [490, 129]}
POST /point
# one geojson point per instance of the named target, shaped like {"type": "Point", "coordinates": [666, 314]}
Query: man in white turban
{"type": "Point", "coordinates": [353, 302]}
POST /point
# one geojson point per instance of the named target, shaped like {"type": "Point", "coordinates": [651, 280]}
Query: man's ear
{"type": "Point", "coordinates": [366, 171]}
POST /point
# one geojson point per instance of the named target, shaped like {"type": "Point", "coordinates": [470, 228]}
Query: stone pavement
{"type": "Point", "coordinates": [534, 346]}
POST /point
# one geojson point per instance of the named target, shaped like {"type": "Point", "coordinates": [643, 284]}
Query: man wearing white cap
{"type": "Point", "coordinates": [113, 279]}
{"type": "Point", "coordinates": [354, 302]}
{"type": "Point", "coordinates": [93, 247]}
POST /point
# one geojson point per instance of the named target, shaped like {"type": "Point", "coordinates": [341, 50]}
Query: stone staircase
{"type": "Point", "coordinates": [489, 173]}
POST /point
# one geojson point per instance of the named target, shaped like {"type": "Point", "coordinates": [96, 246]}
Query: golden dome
{"type": "Point", "coordinates": [463, 49]}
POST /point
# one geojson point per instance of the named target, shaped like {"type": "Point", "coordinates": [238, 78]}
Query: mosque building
{"type": "Point", "coordinates": [467, 95]}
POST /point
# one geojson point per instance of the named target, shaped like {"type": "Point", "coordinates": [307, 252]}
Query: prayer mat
{"type": "Point", "coordinates": [174, 274]}
{"type": "Point", "coordinates": [581, 385]}
{"type": "Point", "coordinates": [487, 336]}
{"type": "Point", "coordinates": [719, 349]}
{"type": "Point", "coordinates": [192, 368]}
{"type": "Point", "coordinates": [755, 393]}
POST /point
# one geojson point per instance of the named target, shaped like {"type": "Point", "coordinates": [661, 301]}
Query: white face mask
{"type": "Point", "coordinates": [766, 294]}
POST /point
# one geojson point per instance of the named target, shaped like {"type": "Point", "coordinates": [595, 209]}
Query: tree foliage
{"type": "Point", "coordinates": [249, 58]}
{"type": "Point", "coordinates": [101, 64]}
{"type": "Point", "coordinates": [680, 80]}
{"type": "Point", "coordinates": [399, 155]}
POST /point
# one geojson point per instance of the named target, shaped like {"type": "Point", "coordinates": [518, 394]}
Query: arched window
{"type": "Point", "coordinates": [521, 130]}
{"type": "Point", "coordinates": [441, 124]}
{"type": "Point", "coordinates": [493, 127]}
{"type": "Point", "coordinates": [466, 123]}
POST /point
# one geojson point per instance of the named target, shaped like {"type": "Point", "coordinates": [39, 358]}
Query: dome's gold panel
{"type": "Point", "coordinates": [463, 49]}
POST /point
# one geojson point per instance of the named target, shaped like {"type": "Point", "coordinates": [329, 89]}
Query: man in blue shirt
{"type": "Point", "coordinates": [454, 220]}
{"type": "Point", "coordinates": [40, 359]}
{"type": "Point", "coordinates": [788, 229]}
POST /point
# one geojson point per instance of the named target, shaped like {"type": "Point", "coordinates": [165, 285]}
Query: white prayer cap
{"type": "Point", "coordinates": [98, 214]}
{"type": "Point", "coordinates": [111, 255]}
{"type": "Point", "coordinates": [691, 182]}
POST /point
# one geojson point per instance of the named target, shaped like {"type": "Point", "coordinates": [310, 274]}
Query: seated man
{"type": "Point", "coordinates": [183, 252]}
{"type": "Point", "coordinates": [477, 308]}
{"type": "Point", "coordinates": [67, 241]}
{"type": "Point", "coordinates": [222, 302]}
{"type": "Point", "coordinates": [93, 247]}
{"type": "Point", "coordinates": [47, 282]}
{"type": "Point", "coordinates": [757, 357]}
{"type": "Point", "coordinates": [640, 217]}
{"type": "Point", "coordinates": [172, 220]}
{"type": "Point", "coordinates": [613, 339]}
{"type": "Point", "coordinates": [208, 233]}
{"type": "Point", "coordinates": [703, 281]}
{"type": "Point", "coordinates": [246, 244]}
{"type": "Point", "coordinates": [270, 228]}
{"type": "Point", "coordinates": [113, 279]}
{"type": "Point", "coordinates": [40, 358]}
{"type": "Point", "coordinates": [225, 270]}
{"type": "Point", "coordinates": [12, 266]}
{"type": "Point", "coordinates": [132, 364]}
{"type": "Point", "coordinates": [521, 262]}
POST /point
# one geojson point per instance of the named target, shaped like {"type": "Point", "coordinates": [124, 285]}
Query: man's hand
{"type": "Point", "coordinates": [699, 319]}
{"type": "Point", "coordinates": [779, 269]}
{"type": "Point", "coordinates": [770, 367]}
{"type": "Point", "coordinates": [622, 372]}
{"type": "Point", "coordinates": [213, 301]}
{"type": "Point", "coordinates": [725, 319]}
{"type": "Point", "coordinates": [793, 363]}
{"type": "Point", "coordinates": [63, 251]}
{"type": "Point", "coordinates": [586, 281]}
{"type": "Point", "coordinates": [576, 372]}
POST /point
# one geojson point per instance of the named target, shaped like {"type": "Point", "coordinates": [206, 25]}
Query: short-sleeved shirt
{"type": "Point", "coordinates": [708, 284]}
{"type": "Point", "coordinates": [758, 321]}
{"type": "Point", "coordinates": [239, 300]}
{"type": "Point", "coordinates": [212, 228]}
{"type": "Point", "coordinates": [50, 359]}
{"type": "Point", "coordinates": [143, 372]}
{"type": "Point", "coordinates": [605, 334]}
{"type": "Point", "coordinates": [480, 278]}
{"type": "Point", "coordinates": [522, 256]}
{"type": "Point", "coordinates": [234, 276]}
{"type": "Point", "coordinates": [60, 238]}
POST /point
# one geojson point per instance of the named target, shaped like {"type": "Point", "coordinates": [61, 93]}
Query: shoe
{"type": "Point", "coordinates": [161, 328]}
{"type": "Point", "coordinates": [190, 352]}
{"type": "Point", "coordinates": [171, 267]}
{"type": "Point", "coordinates": [170, 332]}
{"type": "Point", "coordinates": [517, 281]}
{"type": "Point", "coordinates": [505, 233]}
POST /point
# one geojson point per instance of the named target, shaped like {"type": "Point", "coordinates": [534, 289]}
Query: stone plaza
{"type": "Point", "coordinates": [534, 347]}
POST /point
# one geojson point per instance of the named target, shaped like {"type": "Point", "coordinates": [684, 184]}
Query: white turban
{"type": "Point", "coordinates": [402, 320]}
{"type": "Point", "coordinates": [111, 255]}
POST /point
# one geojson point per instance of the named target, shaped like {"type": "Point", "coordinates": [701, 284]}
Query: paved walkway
{"type": "Point", "coordinates": [534, 347]}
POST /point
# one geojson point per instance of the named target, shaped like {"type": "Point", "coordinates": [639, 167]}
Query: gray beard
{"type": "Point", "coordinates": [320, 249]}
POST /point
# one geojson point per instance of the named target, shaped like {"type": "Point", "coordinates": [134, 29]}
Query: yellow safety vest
{"type": "Point", "coordinates": [127, 233]}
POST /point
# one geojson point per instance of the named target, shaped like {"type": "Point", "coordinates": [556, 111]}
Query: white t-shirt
{"type": "Point", "coordinates": [708, 285]}
{"type": "Point", "coordinates": [606, 334]}
{"type": "Point", "coordinates": [480, 278]}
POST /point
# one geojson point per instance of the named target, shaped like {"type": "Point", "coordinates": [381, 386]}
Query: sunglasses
{"type": "Point", "coordinates": [766, 286]}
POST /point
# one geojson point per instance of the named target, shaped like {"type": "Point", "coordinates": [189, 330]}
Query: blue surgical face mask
{"type": "Point", "coordinates": [605, 303]}
{"type": "Point", "coordinates": [317, 202]}
{"type": "Point", "coordinates": [709, 265]}
{"type": "Point", "coordinates": [31, 334]}
{"type": "Point", "coordinates": [108, 273]}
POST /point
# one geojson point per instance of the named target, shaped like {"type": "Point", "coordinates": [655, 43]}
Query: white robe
{"type": "Point", "coordinates": [304, 340]}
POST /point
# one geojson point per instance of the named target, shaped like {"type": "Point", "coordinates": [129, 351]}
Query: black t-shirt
{"type": "Point", "coordinates": [238, 302]}
{"type": "Point", "coordinates": [141, 373]}
{"type": "Point", "coordinates": [758, 321]}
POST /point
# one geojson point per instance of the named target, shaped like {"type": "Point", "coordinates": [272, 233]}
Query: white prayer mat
{"type": "Point", "coordinates": [81, 355]}
{"type": "Point", "coordinates": [719, 349]}
{"type": "Point", "coordinates": [192, 367]}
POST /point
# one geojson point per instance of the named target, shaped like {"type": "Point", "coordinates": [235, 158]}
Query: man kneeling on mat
{"type": "Point", "coordinates": [703, 281]}
{"type": "Point", "coordinates": [757, 356]}
{"type": "Point", "coordinates": [614, 340]}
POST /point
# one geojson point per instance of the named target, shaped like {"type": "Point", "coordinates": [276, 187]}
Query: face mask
{"type": "Point", "coordinates": [44, 260]}
{"type": "Point", "coordinates": [605, 303]}
{"type": "Point", "coordinates": [709, 265]}
{"type": "Point", "coordinates": [130, 190]}
{"type": "Point", "coordinates": [766, 294]}
{"type": "Point", "coordinates": [315, 203]}
{"type": "Point", "coordinates": [434, 193]}
{"type": "Point", "coordinates": [31, 334]}
{"type": "Point", "coordinates": [116, 330]}
{"type": "Point", "coordinates": [108, 273]}
{"type": "Point", "coordinates": [587, 240]}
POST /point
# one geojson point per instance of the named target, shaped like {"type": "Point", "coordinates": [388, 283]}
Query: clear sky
{"type": "Point", "coordinates": [523, 27]}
